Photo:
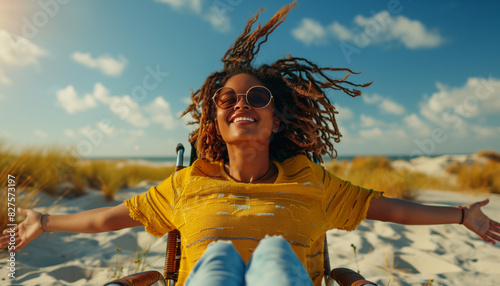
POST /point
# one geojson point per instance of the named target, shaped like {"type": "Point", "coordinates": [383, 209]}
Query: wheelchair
{"type": "Point", "coordinates": [338, 276]}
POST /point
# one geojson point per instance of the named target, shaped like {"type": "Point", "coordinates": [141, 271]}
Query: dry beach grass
{"type": "Point", "coordinates": [389, 254]}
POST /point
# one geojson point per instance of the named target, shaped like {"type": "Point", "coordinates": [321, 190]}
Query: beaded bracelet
{"type": "Point", "coordinates": [463, 214]}
{"type": "Point", "coordinates": [41, 222]}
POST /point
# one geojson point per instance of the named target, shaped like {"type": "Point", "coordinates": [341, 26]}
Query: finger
{"type": "Point", "coordinates": [493, 236]}
{"type": "Point", "coordinates": [4, 241]}
{"type": "Point", "coordinates": [19, 246]}
{"type": "Point", "coordinates": [494, 224]}
{"type": "Point", "coordinates": [5, 231]}
{"type": "Point", "coordinates": [486, 238]}
{"type": "Point", "coordinates": [484, 202]}
{"type": "Point", "coordinates": [494, 229]}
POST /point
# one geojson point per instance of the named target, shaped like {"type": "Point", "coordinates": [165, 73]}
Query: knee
{"type": "Point", "coordinates": [273, 243]}
{"type": "Point", "coordinates": [223, 250]}
{"type": "Point", "coordinates": [221, 264]}
{"type": "Point", "coordinates": [223, 246]}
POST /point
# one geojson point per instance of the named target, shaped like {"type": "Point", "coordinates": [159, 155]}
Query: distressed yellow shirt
{"type": "Point", "coordinates": [205, 204]}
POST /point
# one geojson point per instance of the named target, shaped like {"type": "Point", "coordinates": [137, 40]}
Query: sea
{"type": "Point", "coordinates": [172, 159]}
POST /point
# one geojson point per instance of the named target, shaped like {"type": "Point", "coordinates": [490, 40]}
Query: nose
{"type": "Point", "coordinates": [242, 102]}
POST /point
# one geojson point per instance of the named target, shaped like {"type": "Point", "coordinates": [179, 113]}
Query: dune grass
{"type": "Point", "coordinates": [18, 194]}
{"type": "Point", "coordinates": [110, 177]}
{"type": "Point", "coordinates": [376, 172]}
{"type": "Point", "coordinates": [57, 172]}
{"type": "Point", "coordinates": [478, 176]}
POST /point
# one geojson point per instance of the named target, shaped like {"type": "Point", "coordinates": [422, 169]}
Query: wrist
{"type": "Point", "coordinates": [462, 219]}
{"type": "Point", "coordinates": [43, 222]}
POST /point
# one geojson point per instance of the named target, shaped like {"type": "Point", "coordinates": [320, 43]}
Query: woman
{"type": "Point", "coordinates": [258, 130]}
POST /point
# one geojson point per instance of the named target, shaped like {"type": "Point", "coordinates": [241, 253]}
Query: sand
{"type": "Point", "coordinates": [386, 253]}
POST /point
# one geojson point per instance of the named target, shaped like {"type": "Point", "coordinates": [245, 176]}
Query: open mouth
{"type": "Point", "coordinates": [247, 119]}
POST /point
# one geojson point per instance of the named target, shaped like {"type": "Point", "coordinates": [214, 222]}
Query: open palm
{"type": "Point", "coordinates": [478, 222]}
{"type": "Point", "coordinates": [25, 232]}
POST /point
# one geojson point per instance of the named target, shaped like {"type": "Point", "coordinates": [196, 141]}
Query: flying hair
{"type": "Point", "coordinates": [308, 124]}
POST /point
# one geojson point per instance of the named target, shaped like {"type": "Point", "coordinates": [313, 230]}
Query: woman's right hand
{"type": "Point", "coordinates": [16, 238]}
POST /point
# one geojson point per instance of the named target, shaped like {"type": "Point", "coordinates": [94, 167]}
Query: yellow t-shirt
{"type": "Point", "coordinates": [205, 204]}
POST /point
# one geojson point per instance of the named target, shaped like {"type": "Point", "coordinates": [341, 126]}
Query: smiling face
{"type": "Point", "coordinates": [242, 123]}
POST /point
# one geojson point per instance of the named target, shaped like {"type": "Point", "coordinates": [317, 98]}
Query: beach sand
{"type": "Point", "coordinates": [386, 253]}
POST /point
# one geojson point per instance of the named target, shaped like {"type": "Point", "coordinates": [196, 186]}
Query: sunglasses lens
{"type": "Point", "coordinates": [258, 97]}
{"type": "Point", "coordinates": [226, 98]}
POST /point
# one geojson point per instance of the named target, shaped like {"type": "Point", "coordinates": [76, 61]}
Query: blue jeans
{"type": "Point", "coordinates": [273, 263]}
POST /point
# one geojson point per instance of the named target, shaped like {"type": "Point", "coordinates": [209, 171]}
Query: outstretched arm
{"type": "Point", "coordinates": [405, 212]}
{"type": "Point", "coordinates": [91, 221]}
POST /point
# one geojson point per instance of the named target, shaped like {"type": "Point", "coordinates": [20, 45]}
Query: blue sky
{"type": "Point", "coordinates": [110, 78]}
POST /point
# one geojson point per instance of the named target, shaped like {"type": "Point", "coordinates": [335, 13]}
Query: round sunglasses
{"type": "Point", "coordinates": [256, 97]}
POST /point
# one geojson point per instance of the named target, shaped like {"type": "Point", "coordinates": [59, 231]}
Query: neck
{"type": "Point", "coordinates": [249, 165]}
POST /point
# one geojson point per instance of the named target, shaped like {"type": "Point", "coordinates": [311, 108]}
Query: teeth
{"type": "Point", "coordinates": [244, 118]}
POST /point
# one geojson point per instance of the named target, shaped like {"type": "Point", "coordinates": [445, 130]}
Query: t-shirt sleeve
{"type": "Point", "coordinates": [345, 205]}
{"type": "Point", "coordinates": [155, 208]}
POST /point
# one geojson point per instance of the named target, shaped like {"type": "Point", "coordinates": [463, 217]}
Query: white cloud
{"type": "Point", "coordinates": [17, 51]}
{"type": "Point", "coordinates": [68, 99]}
{"type": "Point", "coordinates": [136, 133]}
{"type": "Point", "coordinates": [185, 120]}
{"type": "Point", "coordinates": [101, 93]}
{"type": "Point", "coordinates": [414, 122]}
{"type": "Point", "coordinates": [478, 96]}
{"type": "Point", "coordinates": [218, 19]}
{"type": "Point", "coordinates": [371, 99]}
{"type": "Point", "coordinates": [368, 121]}
{"type": "Point", "coordinates": [5, 134]}
{"type": "Point", "coordinates": [176, 4]}
{"type": "Point", "coordinates": [41, 134]}
{"type": "Point", "coordinates": [345, 113]}
{"type": "Point", "coordinates": [129, 110]}
{"type": "Point", "coordinates": [310, 32]}
{"type": "Point", "coordinates": [389, 136]}
{"type": "Point", "coordinates": [193, 5]}
{"type": "Point", "coordinates": [159, 111]}
{"type": "Point", "coordinates": [413, 34]}
{"type": "Point", "coordinates": [391, 107]}
{"type": "Point", "coordinates": [123, 106]}
{"type": "Point", "coordinates": [371, 133]}
{"type": "Point", "coordinates": [69, 133]}
{"type": "Point", "coordinates": [384, 104]}
{"type": "Point", "coordinates": [216, 14]}
{"type": "Point", "coordinates": [187, 100]}
{"type": "Point", "coordinates": [4, 79]}
{"type": "Point", "coordinates": [341, 32]}
{"type": "Point", "coordinates": [485, 131]}
{"type": "Point", "coordinates": [380, 29]}
{"type": "Point", "coordinates": [106, 64]}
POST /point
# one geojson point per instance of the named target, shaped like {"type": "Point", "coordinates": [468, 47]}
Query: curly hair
{"type": "Point", "coordinates": [308, 124]}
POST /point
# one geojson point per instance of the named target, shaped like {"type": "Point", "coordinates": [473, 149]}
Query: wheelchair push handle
{"type": "Point", "coordinates": [180, 156]}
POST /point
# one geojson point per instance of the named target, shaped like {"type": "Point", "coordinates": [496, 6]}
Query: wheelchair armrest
{"type": "Point", "coordinates": [140, 279]}
{"type": "Point", "coordinates": [347, 277]}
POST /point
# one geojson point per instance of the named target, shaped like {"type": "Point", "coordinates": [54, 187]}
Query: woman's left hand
{"type": "Point", "coordinates": [478, 222]}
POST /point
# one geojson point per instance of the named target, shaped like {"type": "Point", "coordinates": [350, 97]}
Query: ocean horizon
{"type": "Point", "coordinates": [172, 159]}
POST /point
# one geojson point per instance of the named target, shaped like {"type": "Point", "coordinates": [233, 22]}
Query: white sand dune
{"type": "Point", "coordinates": [392, 254]}
{"type": "Point", "coordinates": [388, 254]}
